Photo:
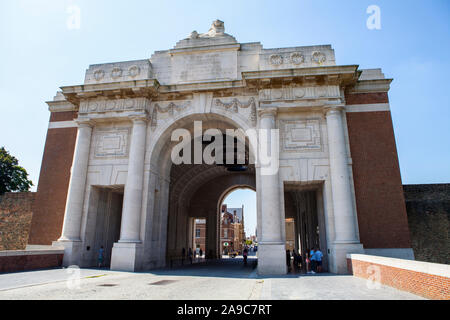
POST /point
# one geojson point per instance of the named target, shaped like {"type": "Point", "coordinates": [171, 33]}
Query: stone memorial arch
{"type": "Point", "coordinates": [107, 177]}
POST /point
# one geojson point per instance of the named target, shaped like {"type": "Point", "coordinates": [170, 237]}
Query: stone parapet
{"type": "Point", "coordinates": [25, 260]}
{"type": "Point", "coordinates": [430, 280]}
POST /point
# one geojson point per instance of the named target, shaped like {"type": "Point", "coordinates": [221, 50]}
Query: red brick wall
{"type": "Point", "coordinates": [54, 178]}
{"type": "Point", "coordinates": [426, 285]}
{"type": "Point", "coordinates": [16, 210]}
{"type": "Point", "coordinates": [63, 116]}
{"type": "Point", "coordinates": [380, 201]}
{"type": "Point", "coordinates": [30, 262]}
{"type": "Point", "coordinates": [366, 98]}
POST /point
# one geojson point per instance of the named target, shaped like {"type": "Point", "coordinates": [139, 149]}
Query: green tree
{"type": "Point", "coordinates": [12, 176]}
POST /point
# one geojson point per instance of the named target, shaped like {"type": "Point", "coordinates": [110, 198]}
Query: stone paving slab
{"type": "Point", "coordinates": [330, 287]}
{"type": "Point", "coordinates": [219, 281]}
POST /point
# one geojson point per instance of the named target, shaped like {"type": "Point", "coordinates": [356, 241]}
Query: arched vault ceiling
{"type": "Point", "coordinates": [187, 179]}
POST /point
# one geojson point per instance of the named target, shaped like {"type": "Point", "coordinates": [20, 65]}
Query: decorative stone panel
{"type": "Point", "coordinates": [299, 93]}
{"type": "Point", "coordinates": [297, 57]}
{"type": "Point", "coordinates": [112, 143]}
{"type": "Point", "coordinates": [119, 71]}
{"type": "Point", "coordinates": [236, 104]}
{"type": "Point", "coordinates": [301, 135]}
{"type": "Point", "coordinates": [169, 108]}
{"type": "Point", "coordinates": [114, 105]}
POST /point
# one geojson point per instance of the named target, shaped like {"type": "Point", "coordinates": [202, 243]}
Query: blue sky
{"type": "Point", "coordinates": [39, 53]}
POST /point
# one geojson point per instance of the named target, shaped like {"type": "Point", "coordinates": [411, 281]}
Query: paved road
{"type": "Point", "coordinates": [227, 279]}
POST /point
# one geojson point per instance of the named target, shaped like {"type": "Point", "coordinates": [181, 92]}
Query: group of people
{"type": "Point", "coordinates": [313, 260]}
{"type": "Point", "coordinates": [191, 254]}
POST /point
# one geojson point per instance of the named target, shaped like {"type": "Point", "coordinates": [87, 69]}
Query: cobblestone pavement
{"type": "Point", "coordinates": [223, 280]}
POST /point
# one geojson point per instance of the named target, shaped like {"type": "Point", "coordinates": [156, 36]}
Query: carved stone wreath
{"type": "Point", "coordinates": [116, 73]}
{"type": "Point", "coordinates": [276, 59]}
{"type": "Point", "coordinates": [318, 57]}
{"type": "Point", "coordinates": [99, 74]}
{"type": "Point", "coordinates": [133, 71]}
{"type": "Point", "coordinates": [297, 58]}
{"type": "Point", "coordinates": [235, 104]}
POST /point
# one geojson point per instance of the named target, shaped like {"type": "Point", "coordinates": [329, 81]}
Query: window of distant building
{"type": "Point", "coordinates": [225, 233]}
{"type": "Point", "coordinates": [197, 233]}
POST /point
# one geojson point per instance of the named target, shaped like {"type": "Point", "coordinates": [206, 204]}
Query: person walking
{"type": "Point", "coordinates": [245, 254]}
{"type": "Point", "coordinates": [201, 252]}
{"type": "Point", "coordinates": [308, 262]}
{"type": "Point", "coordinates": [190, 255]}
{"type": "Point", "coordinates": [313, 261]}
{"type": "Point", "coordinates": [300, 260]}
{"type": "Point", "coordinates": [183, 254]}
{"type": "Point", "coordinates": [295, 256]}
{"type": "Point", "coordinates": [101, 256]}
{"type": "Point", "coordinates": [318, 258]}
{"type": "Point", "coordinates": [288, 260]}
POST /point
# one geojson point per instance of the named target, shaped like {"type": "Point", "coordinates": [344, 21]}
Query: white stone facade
{"type": "Point", "coordinates": [126, 114]}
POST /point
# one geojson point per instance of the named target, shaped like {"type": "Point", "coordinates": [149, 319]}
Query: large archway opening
{"type": "Point", "coordinates": [195, 192]}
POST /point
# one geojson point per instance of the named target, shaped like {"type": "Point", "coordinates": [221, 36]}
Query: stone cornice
{"type": "Point", "coordinates": [123, 89]}
{"type": "Point", "coordinates": [202, 86]}
{"type": "Point", "coordinates": [61, 106]}
{"type": "Point", "coordinates": [206, 48]}
{"type": "Point", "coordinates": [376, 85]}
{"type": "Point", "coordinates": [339, 75]}
{"type": "Point", "coordinates": [342, 76]}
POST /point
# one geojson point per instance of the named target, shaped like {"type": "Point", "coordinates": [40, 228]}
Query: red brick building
{"type": "Point", "coordinates": [200, 234]}
{"type": "Point", "coordinates": [232, 232]}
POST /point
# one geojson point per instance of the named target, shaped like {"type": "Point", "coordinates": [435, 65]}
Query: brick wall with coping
{"type": "Point", "coordinates": [25, 260]}
{"type": "Point", "coordinates": [16, 210]}
{"type": "Point", "coordinates": [429, 280]}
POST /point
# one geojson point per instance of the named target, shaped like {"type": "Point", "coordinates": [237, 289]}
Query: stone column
{"type": "Point", "coordinates": [271, 241]}
{"type": "Point", "coordinates": [346, 238]}
{"type": "Point", "coordinates": [126, 252]}
{"type": "Point", "coordinates": [70, 237]}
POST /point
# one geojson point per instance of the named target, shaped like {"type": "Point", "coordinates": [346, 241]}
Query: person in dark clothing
{"type": "Point", "coordinates": [245, 254]}
{"type": "Point", "coordinates": [201, 253]}
{"type": "Point", "coordinates": [190, 255]}
{"type": "Point", "coordinates": [183, 254]}
{"type": "Point", "coordinates": [295, 255]}
{"type": "Point", "coordinates": [288, 260]}
{"type": "Point", "coordinates": [300, 261]}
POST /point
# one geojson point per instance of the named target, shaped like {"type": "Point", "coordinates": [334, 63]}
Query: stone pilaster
{"type": "Point", "coordinates": [70, 237]}
{"type": "Point", "coordinates": [127, 251]}
{"type": "Point", "coordinates": [271, 244]}
{"type": "Point", "coordinates": [346, 237]}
